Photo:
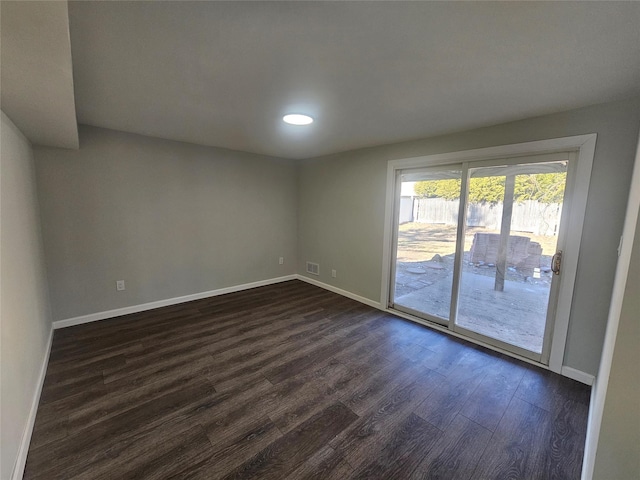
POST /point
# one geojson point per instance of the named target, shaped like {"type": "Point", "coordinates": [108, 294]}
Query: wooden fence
{"type": "Point", "coordinates": [528, 216]}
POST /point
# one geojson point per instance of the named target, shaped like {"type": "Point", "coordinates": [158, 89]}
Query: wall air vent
{"type": "Point", "coordinates": [313, 268]}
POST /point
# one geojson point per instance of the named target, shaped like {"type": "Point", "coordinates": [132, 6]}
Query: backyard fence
{"type": "Point", "coordinates": [527, 216]}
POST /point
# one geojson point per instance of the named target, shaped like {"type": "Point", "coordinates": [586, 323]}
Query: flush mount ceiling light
{"type": "Point", "coordinates": [297, 119]}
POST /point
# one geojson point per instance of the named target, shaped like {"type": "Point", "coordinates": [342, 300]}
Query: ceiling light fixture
{"type": "Point", "coordinates": [297, 119]}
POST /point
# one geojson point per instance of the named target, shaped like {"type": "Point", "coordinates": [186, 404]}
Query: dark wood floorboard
{"type": "Point", "coordinates": [290, 381]}
{"type": "Point", "coordinates": [412, 438]}
{"type": "Point", "coordinates": [456, 454]}
{"type": "Point", "coordinates": [325, 464]}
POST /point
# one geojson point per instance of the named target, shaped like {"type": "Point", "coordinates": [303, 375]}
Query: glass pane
{"type": "Point", "coordinates": [427, 234]}
{"type": "Point", "coordinates": [511, 229]}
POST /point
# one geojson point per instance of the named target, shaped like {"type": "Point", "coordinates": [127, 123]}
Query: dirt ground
{"type": "Point", "coordinates": [420, 241]}
{"type": "Point", "coordinates": [516, 316]}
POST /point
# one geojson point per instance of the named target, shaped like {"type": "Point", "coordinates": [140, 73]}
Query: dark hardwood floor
{"type": "Point", "coordinates": [290, 381]}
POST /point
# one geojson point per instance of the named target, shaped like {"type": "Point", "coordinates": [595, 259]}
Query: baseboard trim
{"type": "Point", "coordinates": [94, 317]}
{"type": "Point", "coordinates": [578, 375]}
{"type": "Point", "coordinates": [23, 451]}
{"type": "Point", "coordinates": [340, 291]}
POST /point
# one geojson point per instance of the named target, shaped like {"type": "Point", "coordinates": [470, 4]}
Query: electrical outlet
{"type": "Point", "coordinates": [120, 285]}
{"type": "Point", "coordinates": [281, 260]}
{"type": "Point", "coordinates": [334, 274]}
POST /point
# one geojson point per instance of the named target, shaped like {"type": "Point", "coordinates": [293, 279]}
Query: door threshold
{"type": "Point", "coordinates": [441, 328]}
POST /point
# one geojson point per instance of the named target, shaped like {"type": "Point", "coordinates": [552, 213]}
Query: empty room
{"type": "Point", "coordinates": [291, 240]}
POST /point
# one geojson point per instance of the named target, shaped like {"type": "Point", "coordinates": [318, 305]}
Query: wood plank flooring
{"type": "Point", "coordinates": [290, 381]}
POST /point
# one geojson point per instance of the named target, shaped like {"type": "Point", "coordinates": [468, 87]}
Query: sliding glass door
{"type": "Point", "coordinates": [426, 242]}
{"type": "Point", "coordinates": [476, 249]}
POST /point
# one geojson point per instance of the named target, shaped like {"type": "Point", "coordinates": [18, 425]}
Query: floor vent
{"type": "Point", "coordinates": [313, 268]}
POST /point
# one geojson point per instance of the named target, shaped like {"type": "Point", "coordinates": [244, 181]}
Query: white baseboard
{"type": "Point", "coordinates": [578, 375]}
{"type": "Point", "coordinates": [93, 317]}
{"type": "Point", "coordinates": [23, 450]}
{"type": "Point", "coordinates": [340, 291]}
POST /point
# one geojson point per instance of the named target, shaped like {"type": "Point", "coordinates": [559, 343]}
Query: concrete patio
{"type": "Point", "coordinates": [516, 316]}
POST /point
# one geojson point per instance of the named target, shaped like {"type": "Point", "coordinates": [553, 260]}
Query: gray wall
{"type": "Point", "coordinates": [169, 218]}
{"type": "Point", "coordinates": [618, 454]}
{"type": "Point", "coordinates": [24, 311]}
{"type": "Point", "coordinates": [341, 209]}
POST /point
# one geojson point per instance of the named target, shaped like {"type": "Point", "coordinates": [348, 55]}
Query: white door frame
{"type": "Point", "coordinates": [584, 145]}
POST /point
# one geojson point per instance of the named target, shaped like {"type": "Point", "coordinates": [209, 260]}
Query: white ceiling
{"type": "Point", "coordinates": [37, 78]}
{"type": "Point", "coordinates": [371, 73]}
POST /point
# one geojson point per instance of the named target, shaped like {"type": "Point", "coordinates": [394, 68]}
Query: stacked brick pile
{"type": "Point", "coordinates": [522, 253]}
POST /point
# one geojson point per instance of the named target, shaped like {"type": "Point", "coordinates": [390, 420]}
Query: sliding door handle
{"type": "Point", "coordinates": [556, 262]}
